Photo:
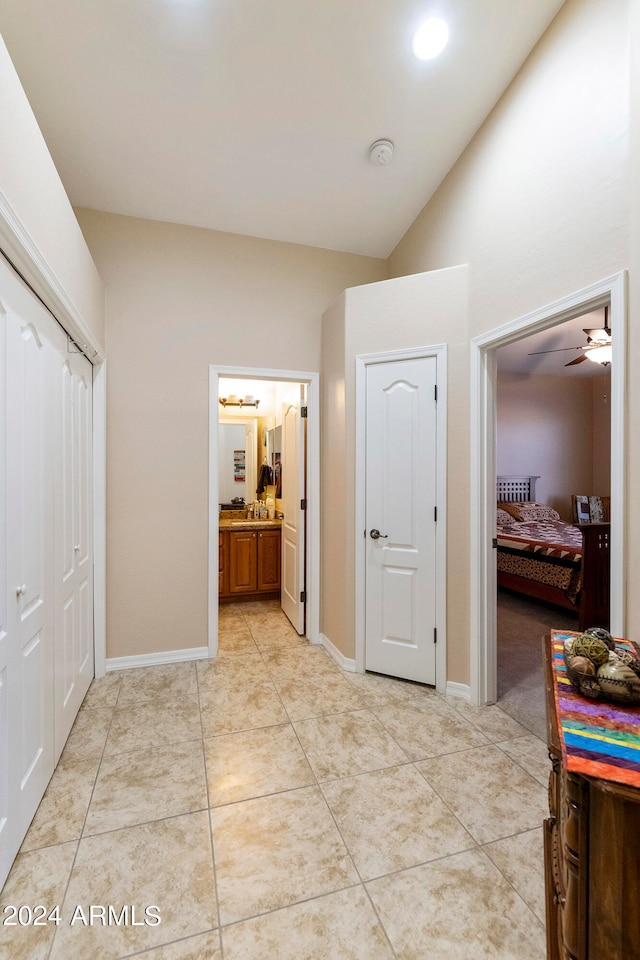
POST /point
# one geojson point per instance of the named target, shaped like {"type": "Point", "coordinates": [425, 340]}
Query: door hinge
{"type": "Point", "coordinates": [435, 392]}
{"type": "Point", "coordinates": [435, 514]}
{"type": "Point", "coordinates": [303, 412]}
{"type": "Point", "coordinates": [303, 504]}
{"type": "Point", "coordinates": [435, 634]}
{"type": "Point", "coordinates": [494, 543]}
{"type": "Point", "coordinates": [303, 596]}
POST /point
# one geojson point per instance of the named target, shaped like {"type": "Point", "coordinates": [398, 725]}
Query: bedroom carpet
{"type": "Point", "coordinates": [522, 622]}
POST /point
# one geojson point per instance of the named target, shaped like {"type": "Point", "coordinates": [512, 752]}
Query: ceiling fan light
{"type": "Point", "coordinates": [600, 354]}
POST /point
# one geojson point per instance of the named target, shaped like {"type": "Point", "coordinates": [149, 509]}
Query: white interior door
{"type": "Point", "coordinates": [26, 645]}
{"type": "Point", "coordinates": [293, 507]}
{"type": "Point", "coordinates": [401, 519]}
{"type": "Point", "coordinates": [74, 646]}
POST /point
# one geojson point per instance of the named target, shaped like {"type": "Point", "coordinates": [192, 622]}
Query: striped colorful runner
{"type": "Point", "coordinates": [598, 739]}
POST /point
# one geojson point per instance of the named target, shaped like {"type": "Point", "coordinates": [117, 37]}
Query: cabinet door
{"type": "Point", "coordinates": [243, 562]}
{"type": "Point", "coordinates": [269, 560]}
{"type": "Point", "coordinates": [223, 563]}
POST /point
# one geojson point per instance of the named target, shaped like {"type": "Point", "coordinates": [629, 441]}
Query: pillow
{"type": "Point", "coordinates": [503, 517]}
{"type": "Point", "coordinates": [528, 510]}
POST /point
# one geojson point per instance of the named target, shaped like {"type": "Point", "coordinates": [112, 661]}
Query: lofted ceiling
{"type": "Point", "coordinates": [256, 117]}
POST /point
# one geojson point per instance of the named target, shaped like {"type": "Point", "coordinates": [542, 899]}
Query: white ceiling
{"type": "Point", "coordinates": [255, 116]}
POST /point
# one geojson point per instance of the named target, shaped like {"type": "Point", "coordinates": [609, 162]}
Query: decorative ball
{"type": "Point", "coordinates": [602, 634]}
{"type": "Point", "coordinates": [619, 679]}
{"type": "Point", "coordinates": [592, 647]}
{"type": "Point", "coordinates": [583, 665]}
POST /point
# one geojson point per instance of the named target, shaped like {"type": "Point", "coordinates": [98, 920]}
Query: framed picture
{"type": "Point", "coordinates": [239, 464]}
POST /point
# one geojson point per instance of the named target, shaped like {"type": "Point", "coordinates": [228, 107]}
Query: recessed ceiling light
{"type": "Point", "coordinates": [430, 39]}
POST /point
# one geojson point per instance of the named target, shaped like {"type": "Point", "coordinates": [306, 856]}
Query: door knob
{"type": "Point", "coordinates": [376, 535]}
{"type": "Point", "coordinates": [21, 590]}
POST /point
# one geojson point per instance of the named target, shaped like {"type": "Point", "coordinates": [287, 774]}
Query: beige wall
{"type": "Point", "coordinates": [418, 311]}
{"type": "Point", "coordinates": [334, 616]}
{"type": "Point", "coordinates": [557, 428]}
{"type": "Point", "coordinates": [538, 206]}
{"type": "Point", "coordinates": [179, 299]}
{"type": "Point", "coordinates": [32, 194]}
{"type": "Point", "coordinates": [538, 203]}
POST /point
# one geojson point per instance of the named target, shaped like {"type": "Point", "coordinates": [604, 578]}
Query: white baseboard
{"type": "Point", "coordinates": [153, 659]}
{"type": "Point", "coordinates": [460, 690]}
{"type": "Point", "coordinates": [341, 660]}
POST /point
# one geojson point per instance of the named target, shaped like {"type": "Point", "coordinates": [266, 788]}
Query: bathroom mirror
{"type": "Point", "coordinates": [237, 455]}
{"type": "Point", "coordinates": [274, 451]}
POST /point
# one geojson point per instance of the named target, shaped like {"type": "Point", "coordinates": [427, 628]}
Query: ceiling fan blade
{"type": "Point", "coordinates": [538, 353]}
{"type": "Point", "coordinates": [577, 360]}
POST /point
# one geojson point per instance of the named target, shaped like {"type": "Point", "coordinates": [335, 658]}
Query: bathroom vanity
{"type": "Point", "coordinates": [248, 560]}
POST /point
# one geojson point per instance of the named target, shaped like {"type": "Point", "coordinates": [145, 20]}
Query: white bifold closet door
{"type": "Point", "coordinates": [73, 628]}
{"type": "Point", "coordinates": [46, 554]}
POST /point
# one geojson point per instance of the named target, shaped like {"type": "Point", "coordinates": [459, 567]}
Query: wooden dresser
{"type": "Point", "coordinates": [592, 859]}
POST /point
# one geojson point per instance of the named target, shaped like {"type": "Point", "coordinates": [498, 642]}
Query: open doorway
{"type": "Point", "coordinates": [553, 452]}
{"type": "Point", "coordinates": [611, 292]}
{"type": "Point", "coordinates": [264, 493]}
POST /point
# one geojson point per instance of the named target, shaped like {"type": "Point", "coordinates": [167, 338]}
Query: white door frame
{"type": "Point", "coordinates": [483, 617]}
{"type": "Point", "coordinates": [362, 362]}
{"type": "Point", "coordinates": [313, 490]}
{"type": "Point", "coordinates": [23, 253]}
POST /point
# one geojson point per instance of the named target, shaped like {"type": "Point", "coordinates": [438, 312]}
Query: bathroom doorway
{"type": "Point", "coordinates": [254, 415]}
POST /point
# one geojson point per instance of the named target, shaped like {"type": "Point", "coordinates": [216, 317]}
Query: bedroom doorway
{"type": "Point", "coordinates": [554, 419]}
{"type": "Point", "coordinates": [258, 392]}
{"type": "Point", "coordinates": [483, 643]}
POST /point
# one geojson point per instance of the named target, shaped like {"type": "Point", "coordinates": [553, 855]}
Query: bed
{"type": "Point", "coordinates": [542, 556]}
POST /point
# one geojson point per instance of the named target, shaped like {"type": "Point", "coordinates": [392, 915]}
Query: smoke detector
{"type": "Point", "coordinates": [381, 152]}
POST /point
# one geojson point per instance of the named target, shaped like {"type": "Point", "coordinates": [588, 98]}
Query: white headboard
{"type": "Point", "coordinates": [511, 489]}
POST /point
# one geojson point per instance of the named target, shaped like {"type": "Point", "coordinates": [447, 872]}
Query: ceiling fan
{"type": "Point", "coordinates": [597, 348]}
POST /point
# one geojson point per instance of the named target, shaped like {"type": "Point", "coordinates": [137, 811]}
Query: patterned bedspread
{"type": "Point", "coordinates": [549, 538]}
{"type": "Point", "coordinates": [547, 551]}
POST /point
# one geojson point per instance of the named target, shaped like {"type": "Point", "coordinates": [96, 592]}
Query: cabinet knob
{"type": "Point", "coordinates": [21, 590]}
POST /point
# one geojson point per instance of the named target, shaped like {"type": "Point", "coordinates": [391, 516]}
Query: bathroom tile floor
{"type": "Point", "coordinates": [270, 804]}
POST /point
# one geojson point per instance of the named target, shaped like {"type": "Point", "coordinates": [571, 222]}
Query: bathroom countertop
{"type": "Point", "coordinates": [249, 524]}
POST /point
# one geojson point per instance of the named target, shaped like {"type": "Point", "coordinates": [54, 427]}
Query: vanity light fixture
{"type": "Point", "coordinates": [430, 39]}
{"type": "Point", "coordinates": [233, 401]}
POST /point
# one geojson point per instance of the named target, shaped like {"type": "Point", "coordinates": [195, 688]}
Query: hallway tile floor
{"type": "Point", "coordinates": [270, 804]}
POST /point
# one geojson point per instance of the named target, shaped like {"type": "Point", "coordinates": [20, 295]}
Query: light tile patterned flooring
{"type": "Point", "coordinates": [273, 806]}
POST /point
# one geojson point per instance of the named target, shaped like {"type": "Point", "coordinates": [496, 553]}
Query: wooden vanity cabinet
{"type": "Point", "coordinates": [249, 564]}
{"type": "Point", "coordinates": [268, 560]}
{"type": "Point", "coordinates": [243, 562]}
{"type": "Point", "coordinates": [592, 858]}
